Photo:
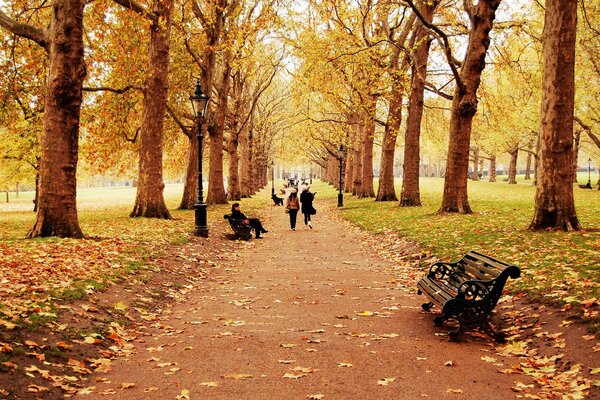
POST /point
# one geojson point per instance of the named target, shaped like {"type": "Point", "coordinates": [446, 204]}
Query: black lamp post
{"type": "Point", "coordinates": [272, 178]}
{"type": "Point", "coordinates": [341, 153]}
{"type": "Point", "coordinates": [199, 104]}
{"type": "Point", "coordinates": [310, 176]}
{"type": "Point", "coordinates": [589, 183]}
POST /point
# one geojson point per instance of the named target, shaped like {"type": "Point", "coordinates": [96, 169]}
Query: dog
{"type": "Point", "coordinates": [277, 200]}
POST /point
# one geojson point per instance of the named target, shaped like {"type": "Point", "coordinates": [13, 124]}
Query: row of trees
{"type": "Point", "coordinates": [373, 59]}
{"type": "Point", "coordinates": [109, 82]}
{"type": "Point", "coordinates": [118, 76]}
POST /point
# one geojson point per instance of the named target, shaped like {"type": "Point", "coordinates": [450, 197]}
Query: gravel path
{"type": "Point", "coordinates": [309, 314]}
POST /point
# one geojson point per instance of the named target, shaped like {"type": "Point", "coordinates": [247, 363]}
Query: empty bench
{"type": "Point", "coordinates": [240, 229]}
{"type": "Point", "coordinates": [467, 291]}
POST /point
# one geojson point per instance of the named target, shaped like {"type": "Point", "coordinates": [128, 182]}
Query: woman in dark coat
{"type": "Point", "coordinates": [254, 223]}
{"type": "Point", "coordinates": [306, 198]}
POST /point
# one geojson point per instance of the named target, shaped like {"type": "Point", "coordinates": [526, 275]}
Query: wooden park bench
{"type": "Point", "coordinates": [240, 229]}
{"type": "Point", "coordinates": [467, 291]}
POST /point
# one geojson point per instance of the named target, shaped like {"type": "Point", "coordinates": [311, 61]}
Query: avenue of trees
{"type": "Point", "coordinates": [103, 87]}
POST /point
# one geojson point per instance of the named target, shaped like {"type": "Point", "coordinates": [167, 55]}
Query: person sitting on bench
{"type": "Point", "coordinates": [254, 223]}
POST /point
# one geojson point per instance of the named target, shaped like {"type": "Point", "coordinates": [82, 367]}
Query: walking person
{"type": "Point", "coordinates": [292, 206]}
{"type": "Point", "coordinates": [254, 223]}
{"type": "Point", "coordinates": [306, 198]}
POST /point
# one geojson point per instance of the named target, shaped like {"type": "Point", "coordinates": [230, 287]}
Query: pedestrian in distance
{"type": "Point", "coordinates": [306, 198]}
{"type": "Point", "coordinates": [292, 206]}
{"type": "Point", "coordinates": [254, 223]}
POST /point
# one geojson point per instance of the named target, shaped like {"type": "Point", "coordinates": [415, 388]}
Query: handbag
{"type": "Point", "coordinates": [287, 210]}
{"type": "Point", "coordinates": [313, 211]}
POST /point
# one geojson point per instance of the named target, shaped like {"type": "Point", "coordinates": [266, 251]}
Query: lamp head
{"type": "Point", "coordinates": [199, 101]}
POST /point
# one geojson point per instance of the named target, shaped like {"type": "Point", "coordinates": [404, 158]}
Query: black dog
{"type": "Point", "coordinates": [277, 200]}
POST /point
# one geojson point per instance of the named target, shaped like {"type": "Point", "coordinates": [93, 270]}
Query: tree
{"type": "Point", "coordinates": [63, 41]}
{"type": "Point", "coordinates": [149, 201]}
{"type": "Point", "coordinates": [464, 106]}
{"type": "Point", "coordinates": [554, 202]}
{"type": "Point", "coordinates": [410, 195]}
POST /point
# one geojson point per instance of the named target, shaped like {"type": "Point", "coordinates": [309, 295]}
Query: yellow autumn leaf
{"type": "Point", "coordinates": [344, 364]}
{"type": "Point", "coordinates": [127, 385]}
{"type": "Point", "coordinates": [209, 384]}
{"type": "Point", "coordinates": [385, 381]}
{"type": "Point", "coordinates": [185, 394]}
{"type": "Point", "coordinates": [315, 396]}
{"type": "Point", "coordinates": [293, 376]}
{"type": "Point", "coordinates": [595, 371]}
{"type": "Point", "coordinates": [488, 359]}
{"type": "Point", "coordinates": [366, 313]}
{"type": "Point", "coordinates": [457, 391]}
{"type": "Point", "coordinates": [120, 306]}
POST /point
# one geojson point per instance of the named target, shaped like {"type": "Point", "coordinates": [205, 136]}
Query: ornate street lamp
{"type": "Point", "coordinates": [272, 179]}
{"type": "Point", "coordinates": [199, 104]}
{"type": "Point", "coordinates": [589, 183]}
{"type": "Point", "coordinates": [341, 153]}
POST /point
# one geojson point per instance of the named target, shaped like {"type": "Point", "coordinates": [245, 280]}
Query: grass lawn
{"type": "Point", "coordinates": [559, 266]}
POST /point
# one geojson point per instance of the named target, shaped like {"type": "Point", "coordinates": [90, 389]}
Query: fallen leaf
{"type": "Point", "coordinates": [457, 391]}
{"type": "Point", "coordinates": [127, 385]}
{"type": "Point", "coordinates": [209, 384]}
{"type": "Point", "coordinates": [185, 394]}
{"type": "Point", "coordinates": [315, 396]}
{"type": "Point", "coordinates": [449, 364]}
{"type": "Point", "coordinates": [385, 381]}
{"type": "Point", "coordinates": [293, 376]}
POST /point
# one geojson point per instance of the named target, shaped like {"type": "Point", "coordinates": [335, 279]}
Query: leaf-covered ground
{"type": "Point", "coordinates": [70, 307]}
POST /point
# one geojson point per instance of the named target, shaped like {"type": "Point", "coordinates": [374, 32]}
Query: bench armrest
{"type": "Point", "coordinates": [441, 270]}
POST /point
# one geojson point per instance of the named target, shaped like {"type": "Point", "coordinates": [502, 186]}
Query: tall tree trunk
{"type": "Point", "coordinates": [57, 192]}
{"type": "Point", "coordinates": [475, 163]}
{"type": "Point", "coordinates": [528, 166]}
{"type": "Point", "coordinates": [358, 158]}
{"type": "Point", "coordinates": [554, 202]}
{"type": "Point", "coordinates": [464, 107]}
{"type": "Point", "coordinates": [411, 195]}
{"type": "Point", "coordinates": [512, 166]}
{"type": "Point", "coordinates": [576, 139]}
{"type": "Point", "coordinates": [246, 161]}
{"type": "Point", "coordinates": [216, 187]}
{"type": "Point", "coordinates": [149, 201]}
{"type": "Point", "coordinates": [386, 190]}
{"type": "Point", "coordinates": [366, 188]}
{"type": "Point", "coordinates": [190, 186]}
{"type": "Point", "coordinates": [349, 171]}
{"type": "Point", "coordinates": [493, 168]}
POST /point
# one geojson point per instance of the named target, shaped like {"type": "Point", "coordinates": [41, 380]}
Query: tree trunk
{"type": "Point", "coordinates": [464, 107]}
{"type": "Point", "coordinates": [216, 187]}
{"type": "Point", "coordinates": [366, 188]}
{"type": "Point", "coordinates": [493, 168]}
{"type": "Point", "coordinates": [410, 196]}
{"type": "Point", "coordinates": [512, 167]}
{"type": "Point", "coordinates": [554, 202]}
{"type": "Point", "coordinates": [358, 159]}
{"type": "Point", "coordinates": [576, 138]}
{"type": "Point", "coordinates": [56, 195]}
{"type": "Point", "coordinates": [528, 167]}
{"type": "Point", "coordinates": [246, 160]}
{"type": "Point", "coordinates": [190, 186]}
{"type": "Point", "coordinates": [475, 163]}
{"type": "Point", "coordinates": [149, 201]}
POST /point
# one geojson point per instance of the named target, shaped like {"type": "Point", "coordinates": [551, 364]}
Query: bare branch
{"type": "Point", "coordinates": [24, 30]}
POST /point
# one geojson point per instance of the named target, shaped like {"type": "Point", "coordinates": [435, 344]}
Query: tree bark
{"type": "Point", "coordinates": [528, 167]}
{"type": "Point", "coordinates": [149, 201]}
{"type": "Point", "coordinates": [464, 107]}
{"type": "Point", "coordinates": [493, 168]}
{"type": "Point", "coordinates": [246, 160]}
{"type": "Point", "coordinates": [386, 190]}
{"type": "Point", "coordinates": [216, 187]}
{"type": "Point", "coordinates": [554, 202]}
{"type": "Point", "coordinates": [410, 196]}
{"type": "Point", "coordinates": [357, 156]}
{"type": "Point", "coordinates": [190, 186]}
{"type": "Point", "coordinates": [366, 188]}
{"type": "Point", "coordinates": [512, 166]}
{"type": "Point", "coordinates": [576, 139]}
{"type": "Point", "coordinates": [57, 192]}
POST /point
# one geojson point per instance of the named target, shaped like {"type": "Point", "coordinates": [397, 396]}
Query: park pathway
{"type": "Point", "coordinates": [310, 314]}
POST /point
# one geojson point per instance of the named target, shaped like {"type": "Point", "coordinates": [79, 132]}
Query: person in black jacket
{"type": "Point", "coordinates": [254, 223]}
{"type": "Point", "coordinates": [306, 198]}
